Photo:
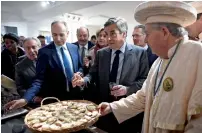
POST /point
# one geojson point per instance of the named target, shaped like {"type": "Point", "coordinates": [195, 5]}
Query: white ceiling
{"type": "Point", "coordinates": [96, 12]}
{"type": "Point", "coordinates": [110, 9]}
{"type": "Point", "coordinates": [33, 11]}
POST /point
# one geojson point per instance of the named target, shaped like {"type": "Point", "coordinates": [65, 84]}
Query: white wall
{"type": "Point", "coordinates": [21, 26]}
{"type": "Point", "coordinates": [129, 38]}
{"type": "Point", "coordinates": [33, 29]}
{"type": "Point", "coordinates": [92, 30]}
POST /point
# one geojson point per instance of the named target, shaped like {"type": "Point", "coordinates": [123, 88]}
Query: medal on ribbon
{"type": "Point", "coordinates": [168, 84]}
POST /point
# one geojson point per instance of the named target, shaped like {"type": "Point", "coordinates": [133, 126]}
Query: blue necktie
{"type": "Point", "coordinates": [115, 66]}
{"type": "Point", "coordinates": [69, 72]}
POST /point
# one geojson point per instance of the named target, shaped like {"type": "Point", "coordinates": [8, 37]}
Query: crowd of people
{"type": "Point", "coordinates": [153, 84]}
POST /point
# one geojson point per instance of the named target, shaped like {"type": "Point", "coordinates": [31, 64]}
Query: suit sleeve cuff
{"type": "Point", "coordinates": [28, 98]}
{"type": "Point", "coordinates": [128, 91]}
{"type": "Point", "coordinates": [86, 80]}
{"type": "Point", "coordinates": [80, 73]}
{"type": "Point", "coordinates": [33, 100]}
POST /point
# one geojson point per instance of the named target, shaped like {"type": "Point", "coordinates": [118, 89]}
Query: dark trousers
{"type": "Point", "coordinates": [133, 125]}
{"type": "Point", "coordinates": [111, 125]}
{"type": "Point", "coordinates": [108, 123]}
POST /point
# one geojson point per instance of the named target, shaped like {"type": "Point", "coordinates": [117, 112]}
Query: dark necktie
{"type": "Point", "coordinates": [82, 54]}
{"type": "Point", "coordinates": [115, 66]}
{"type": "Point", "coordinates": [66, 63]}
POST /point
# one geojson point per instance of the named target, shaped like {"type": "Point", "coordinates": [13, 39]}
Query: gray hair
{"type": "Point", "coordinates": [141, 27]}
{"type": "Point", "coordinates": [32, 38]}
{"type": "Point", "coordinates": [120, 23]}
{"type": "Point", "coordinates": [175, 29]}
{"type": "Point", "coordinates": [77, 30]}
{"type": "Point", "coordinates": [60, 21]}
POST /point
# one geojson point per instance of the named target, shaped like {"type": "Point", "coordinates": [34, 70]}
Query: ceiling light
{"type": "Point", "coordinates": [43, 3]}
{"type": "Point", "coordinates": [73, 17]}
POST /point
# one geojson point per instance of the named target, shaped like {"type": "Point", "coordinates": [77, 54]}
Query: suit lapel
{"type": "Point", "coordinates": [149, 51]}
{"type": "Point", "coordinates": [73, 56]}
{"type": "Point", "coordinates": [30, 63]}
{"type": "Point", "coordinates": [106, 60]}
{"type": "Point", "coordinates": [77, 44]}
{"type": "Point", "coordinates": [55, 56]}
{"type": "Point", "coordinates": [33, 68]}
{"type": "Point", "coordinates": [90, 45]}
{"type": "Point", "coordinates": [126, 62]}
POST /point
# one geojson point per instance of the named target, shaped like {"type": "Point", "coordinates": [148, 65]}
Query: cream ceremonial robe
{"type": "Point", "coordinates": [178, 110]}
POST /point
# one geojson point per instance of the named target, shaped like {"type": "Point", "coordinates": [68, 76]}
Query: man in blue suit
{"type": "Point", "coordinates": [139, 36]}
{"type": "Point", "coordinates": [56, 64]}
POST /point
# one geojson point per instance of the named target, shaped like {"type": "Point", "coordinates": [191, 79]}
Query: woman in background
{"type": "Point", "coordinates": [9, 56]}
{"type": "Point", "coordinates": [101, 43]}
{"type": "Point", "coordinates": [90, 93]}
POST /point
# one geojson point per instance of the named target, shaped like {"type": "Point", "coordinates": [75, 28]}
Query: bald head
{"type": "Point", "coordinates": [82, 35]}
{"type": "Point", "coordinates": [59, 32]}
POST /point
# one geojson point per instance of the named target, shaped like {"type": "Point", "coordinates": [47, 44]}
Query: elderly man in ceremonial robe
{"type": "Point", "coordinates": [171, 96]}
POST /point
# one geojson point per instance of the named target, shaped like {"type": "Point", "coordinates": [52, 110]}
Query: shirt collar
{"type": "Point", "coordinates": [145, 47]}
{"type": "Point", "coordinates": [122, 49]}
{"type": "Point", "coordinates": [58, 47]}
{"type": "Point", "coordinates": [85, 46]}
{"type": "Point", "coordinates": [172, 49]}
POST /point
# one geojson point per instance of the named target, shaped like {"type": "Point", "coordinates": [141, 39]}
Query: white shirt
{"type": "Point", "coordinates": [121, 58]}
{"type": "Point", "coordinates": [81, 47]}
{"type": "Point", "coordinates": [145, 47]}
{"type": "Point", "coordinates": [67, 54]}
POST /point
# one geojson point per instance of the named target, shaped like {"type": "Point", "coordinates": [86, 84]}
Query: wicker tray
{"type": "Point", "coordinates": [73, 129]}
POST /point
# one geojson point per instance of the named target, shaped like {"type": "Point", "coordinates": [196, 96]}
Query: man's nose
{"type": "Point", "coordinates": [57, 38]}
{"type": "Point", "coordinates": [82, 37]}
{"type": "Point", "coordinates": [31, 50]}
{"type": "Point", "coordinates": [108, 38]}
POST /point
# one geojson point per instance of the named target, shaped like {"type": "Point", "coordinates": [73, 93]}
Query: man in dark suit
{"type": "Point", "coordinates": [121, 63]}
{"type": "Point", "coordinates": [151, 57]}
{"type": "Point", "coordinates": [93, 39]}
{"type": "Point", "coordinates": [25, 70]}
{"type": "Point", "coordinates": [42, 39]}
{"type": "Point", "coordinates": [84, 47]}
{"type": "Point", "coordinates": [56, 64]}
{"type": "Point", "coordinates": [139, 40]}
{"type": "Point", "coordinates": [83, 44]}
